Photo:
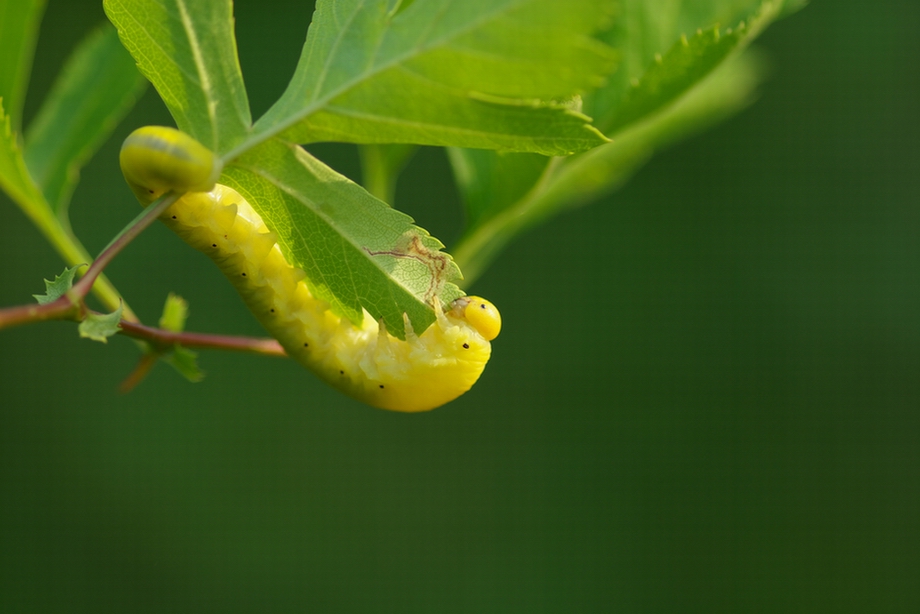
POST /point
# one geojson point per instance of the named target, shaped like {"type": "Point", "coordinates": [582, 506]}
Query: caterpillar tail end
{"type": "Point", "coordinates": [156, 159]}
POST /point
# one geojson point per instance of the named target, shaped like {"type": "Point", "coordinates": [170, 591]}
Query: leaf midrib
{"type": "Point", "coordinates": [200, 67]}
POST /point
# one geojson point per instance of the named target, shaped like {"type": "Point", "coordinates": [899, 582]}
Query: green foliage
{"type": "Point", "coordinates": [699, 80]}
{"type": "Point", "coordinates": [685, 65]}
{"type": "Point", "coordinates": [101, 327]}
{"type": "Point", "coordinates": [646, 29]}
{"type": "Point", "coordinates": [505, 84]}
{"type": "Point", "coordinates": [661, 74]}
{"type": "Point", "coordinates": [57, 288]}
{"type": "Point", "coordinates": [88, 99]}
{"type": "Point", "coordinates": [373, 73]}
{"type": "Point", "coordinates": [479, 73]}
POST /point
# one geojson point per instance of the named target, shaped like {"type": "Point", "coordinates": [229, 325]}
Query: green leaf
{"type": "Point", "coordinates": [185, 362]}
{"type": "Point", "coordinates": [101, 327]}
{"type": "Point", "coordinates": [646, 29]}
{"type": "Point", "coordinates": [188, 51]}
{"type": "Point", "coordinates": [683, 66]}
{"type": "Point", "coordinates": [442, 118]}
{"type": "Point", "coordinates": [19, 21]}
{"type": "Point", "coordinates": [95, 89]}
{"type": "Point", "coordinates": [175, 313]}
{"type": "Point", "coordinates": [357, 252]}
{"type": "Point", "coordinates": [440, 72]}
{"type": "Point", "coordinates": [59, 287]}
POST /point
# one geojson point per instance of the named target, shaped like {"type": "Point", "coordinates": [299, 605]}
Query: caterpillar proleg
{"type": "Point", "coordinates": [422, 372]}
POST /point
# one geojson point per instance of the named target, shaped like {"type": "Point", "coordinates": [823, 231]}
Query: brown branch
{"type": "Point", "coordinates": [66, 307]}
{"type": "Point", "coordinates": [162, 338]}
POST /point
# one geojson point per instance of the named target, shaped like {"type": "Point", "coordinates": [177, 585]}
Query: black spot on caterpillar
{"type": "Point", "coordinates": [421, 373]}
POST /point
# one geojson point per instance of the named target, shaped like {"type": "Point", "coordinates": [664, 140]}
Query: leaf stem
{"type": "Point", "coordinates": [130, 232]}
{"type": "Point", "coordinates": [64, 308]}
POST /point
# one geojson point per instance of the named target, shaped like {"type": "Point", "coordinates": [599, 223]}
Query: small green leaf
{"type": "Point", "coordinates": [59, 287]}
{"type": "Point", "coordinates": [94, 90]}
{"type": "Point", "coordinates": [19, 21]}
{"type": "Point", "coordinates": [175, 313]}
{"type": "Point", "coordinates": [357, 252]}
{"type": "Point", "coordinates": [188, 51]}
{"type": "Point", "coordinates": [185, 362]}
{"type": "Point", "coordinates": [369, 75]}
{"type": "Point", "coordinates": [101, 327]}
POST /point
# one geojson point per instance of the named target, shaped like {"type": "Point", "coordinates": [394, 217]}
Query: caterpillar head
{"type": "Point", "coordinates": [481, 314]}
{"type": "Point", "coordinates": [156, 159]}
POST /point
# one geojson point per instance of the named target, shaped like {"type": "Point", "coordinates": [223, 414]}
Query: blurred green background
{"type": "Point", "coordinates": [705, 397]}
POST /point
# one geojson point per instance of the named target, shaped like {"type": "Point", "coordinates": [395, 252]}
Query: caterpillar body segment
{"type": "Point", "coordinates": [419, 373]}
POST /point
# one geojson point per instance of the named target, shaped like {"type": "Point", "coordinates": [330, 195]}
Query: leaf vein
{"type": "Point", "coordinates": [204, 78]}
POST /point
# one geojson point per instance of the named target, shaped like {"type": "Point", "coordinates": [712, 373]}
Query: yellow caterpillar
{"type": "Point", "coordinates": [421, 373]}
